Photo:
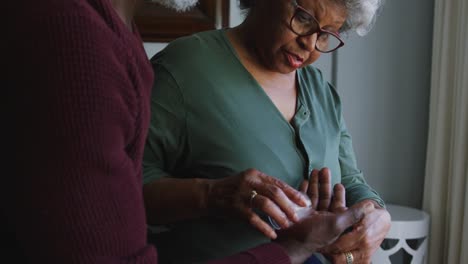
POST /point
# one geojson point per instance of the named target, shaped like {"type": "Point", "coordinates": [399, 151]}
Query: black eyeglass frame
{"type": "Point", "coordinates": [319, 31]}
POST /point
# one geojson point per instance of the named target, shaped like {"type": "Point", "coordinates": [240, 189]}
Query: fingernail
{"type": "Point", "coordinates": [304, 201]}
{"type": "Point", "coordinates": [272, 235]}
{"type": "Point", "coordinates": [295, 217]}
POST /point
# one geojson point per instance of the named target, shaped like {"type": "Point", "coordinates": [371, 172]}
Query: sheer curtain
{"type": "Point", "coordinates": [446, 184]}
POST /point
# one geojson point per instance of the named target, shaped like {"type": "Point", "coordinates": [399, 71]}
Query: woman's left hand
{"type": "Point", "coordinates": [363, 240]}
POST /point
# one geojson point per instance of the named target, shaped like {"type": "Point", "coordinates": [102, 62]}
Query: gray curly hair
{"type": "Point", "coordinates": [178, 5]}
{"type": "Point", "coordinates": [361, 14]}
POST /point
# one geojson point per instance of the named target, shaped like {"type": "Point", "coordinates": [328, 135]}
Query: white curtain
{"type": "Point", "coordinates": [446, 184]}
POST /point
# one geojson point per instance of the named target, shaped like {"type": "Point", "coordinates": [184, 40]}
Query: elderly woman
{"type": "Point", "coordinates": [248, 97]}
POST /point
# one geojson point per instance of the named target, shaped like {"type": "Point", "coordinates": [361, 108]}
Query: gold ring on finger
{"type": "Point", "coordinates": [253, 193]}
{"type": "Point", "coordinates": [349, 257]}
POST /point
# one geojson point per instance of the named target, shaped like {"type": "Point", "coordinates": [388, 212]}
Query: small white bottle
{"type": "Point", "coordinates": [301, 212]}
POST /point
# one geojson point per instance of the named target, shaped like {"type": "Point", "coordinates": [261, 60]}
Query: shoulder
{"type": "Point", "coordinates": [194, 60]}
{"type": "Point", "coordinates": [72, 20]}
{"type": "Point", "coordinates": [51, 9]}
{"type": "Point", "coordinates": [194, 49]}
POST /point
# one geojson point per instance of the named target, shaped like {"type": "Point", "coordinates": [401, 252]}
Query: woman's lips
{"type": "Point", "coordinates": [294, 60]}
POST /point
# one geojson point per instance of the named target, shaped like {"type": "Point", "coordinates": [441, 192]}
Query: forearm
{"type": "Point", "coordinates": [169, 200]}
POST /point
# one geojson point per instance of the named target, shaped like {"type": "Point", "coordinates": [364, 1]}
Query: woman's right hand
{"type": "Point", "coordinates": [236, 194]}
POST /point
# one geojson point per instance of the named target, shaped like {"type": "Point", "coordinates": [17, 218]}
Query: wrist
{"type": "Point", "coordinates": [376, 204]}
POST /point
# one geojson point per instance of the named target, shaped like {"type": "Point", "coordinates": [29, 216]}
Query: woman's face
{"type": "Point", "coordinates": [280, 49]}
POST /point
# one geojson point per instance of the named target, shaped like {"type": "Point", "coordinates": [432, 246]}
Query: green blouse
{"type": "Point", "coordinates": [211, 119]}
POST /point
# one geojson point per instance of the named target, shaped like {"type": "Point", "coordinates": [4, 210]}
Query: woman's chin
{"type": "Point", "coordinates": [286, 69]}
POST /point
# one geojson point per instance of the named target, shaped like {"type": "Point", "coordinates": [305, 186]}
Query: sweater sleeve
{"type": "Point", "coordinates": [78, 192]}
{"type": "Point", "coordinates": [270, 253]}
{"type": "Point", "coordinates": [352, 178]}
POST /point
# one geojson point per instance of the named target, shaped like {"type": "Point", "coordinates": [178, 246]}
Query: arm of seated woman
{"type": "Point", "coordinates": [164, 199]}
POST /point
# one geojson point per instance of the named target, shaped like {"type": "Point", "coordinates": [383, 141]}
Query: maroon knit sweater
{"type": "Point", "coordinates": [82, 85]}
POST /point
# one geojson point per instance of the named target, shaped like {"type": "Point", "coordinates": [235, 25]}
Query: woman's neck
{"type": "Point", "coordinates": [242, 39]}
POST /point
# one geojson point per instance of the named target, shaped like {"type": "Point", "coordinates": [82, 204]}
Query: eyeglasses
{"type": "Point", "coordinates": [304, 24]}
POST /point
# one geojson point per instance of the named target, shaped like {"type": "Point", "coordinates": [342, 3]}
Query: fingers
{"type": "Point", "coordinates": [281, 195]}
{"type": "Point", "coordinates": [357, 256]}
{"type": "Point", "coordinates": [304, 186]}
{"type": "Point", "coordinates": [275, 197]}
{"type": "Point", "coordinates": [258, 223]}
{"type": "Point", "coordinates": [366, 235]}
{"type": "Point", "coordinates": [339, 198]}
{"type": "Point", "coordinates": [319, 191]}
{"type": "Point", "coordinates": [325, 190]}
{"type": "Point", "coordinates": [313, 190]}
{"type": "Point", "coordinates": [353, 215]}
{"type": "Point", "coordinates": [270, 208]}
{"type": "Point", "coordinates": [345, 242]}
{"type": "Point", "coordinates": [291, 193]}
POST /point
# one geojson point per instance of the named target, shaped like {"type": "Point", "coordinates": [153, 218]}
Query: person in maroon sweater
{"type": "Point", "coordinates": [81, 83]}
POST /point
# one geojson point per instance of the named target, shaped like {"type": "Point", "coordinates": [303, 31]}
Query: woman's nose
{"type": "Point", "coordinates": [308, 42]}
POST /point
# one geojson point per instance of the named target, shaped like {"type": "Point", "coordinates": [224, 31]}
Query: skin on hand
{"type": "Point", "coordinates": [232, 195]}
{"type": "Point", "coordinates": [318, 230]}
{"type": "Point", "coordinates": [364, 239]}
{"type": "Point", "coordinates": [318, 189]}
{"type": "Point", "coordinates": [366, 235]}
